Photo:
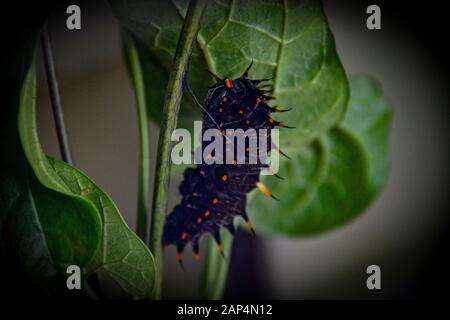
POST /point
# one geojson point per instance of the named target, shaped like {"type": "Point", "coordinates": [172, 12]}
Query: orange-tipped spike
{"type": "Point", "coordinates": [281, 152]}
{"type": "Point", "coordinates": [216, 236]}
{"type": "Point", "coordinates": [245, 74]}
{"type": "Point", "coordinates": [195, 248]}
{"type": "Point", "coordinates": [179, 256]}
{"type": "Point", "coordinates": [216, 77]}
{"type": "Point", "coordinates": [265, 190]}
{"type": "Point", "coordinates": [282, 125]}
{"type": "Point", "coordinates": [220, 249]}
{"type": "Point", "coordinates": [269, 169]}
{"type": "Point", "coordinates": [262, 80]}
{"type": "Point", "coordinates": [248, 222]}
{"type": "Point", "coordinates": [250, 226]}
{"type": "Point", "coordinates": [276, 109]}
{"type": "Point", "coordinates": [278, 176]}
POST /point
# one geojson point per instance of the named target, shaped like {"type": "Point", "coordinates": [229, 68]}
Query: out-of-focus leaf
{"type": "Point", "coordinates": [122, 253]}
{"type": "Point", "coordinates": [335, 178]}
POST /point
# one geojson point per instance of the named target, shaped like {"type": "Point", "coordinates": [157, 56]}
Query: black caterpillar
{"type": "Point", "coordinates": [214, 194]}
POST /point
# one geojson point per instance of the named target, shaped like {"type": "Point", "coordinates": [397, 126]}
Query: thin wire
{"type": "Point", "coordinates": [55, 97]}
{"type": "Point", "coordinates": [191, 93]}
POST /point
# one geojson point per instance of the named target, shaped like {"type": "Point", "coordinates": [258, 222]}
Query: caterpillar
{"type": "Point", "coordinates": [214, 194]}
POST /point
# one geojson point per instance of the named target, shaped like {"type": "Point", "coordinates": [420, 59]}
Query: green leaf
{"type": "Point", "coordinates": [76, 210]}
{"type": "Point", "coordinates": [335, 178]}
{"type": "Point", "coordinates": [122, 253]}
{"type": "Point", "coordinates": [289, 40]}
{"type": "Point", "coordinates": [24, 253]}
{"type": "Point", "coordinates": [71, 224]}
{"type": "Point", "coordinates": [368, 117]}
{"type": "Point", "coordinates": [23, 246]}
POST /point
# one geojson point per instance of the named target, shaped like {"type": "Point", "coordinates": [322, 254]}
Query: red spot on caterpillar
{"type": "Point", "coordinates": [199, 220]}
{"type": "Point", "coordinates": [224, 178]}
{"type": "Point", "coordinates": [224, 99]}
{"type": "Point", "coordinates": [258, 100]}
{"type": "Point", "coordinates": [229, 83]}
{"type": "Point", "coordinates": [207, 213]}
{"type": "Point", "coordinates": [184, 235]}
{"type": "Point", "coordinates": [202, 172]}
{"type": "Point", "coordinates": [215, 200]}
{"type": "Point", "coordinates": [220, 109]}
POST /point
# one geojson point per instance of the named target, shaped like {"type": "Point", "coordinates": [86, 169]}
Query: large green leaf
{"type": "Point", "coordinates": [24, 254]}
{"type": "Point", "coordinates": [71, 224]}
{"type": "Point", "coordinates": [335, 178]}
{"type": "Point", "coordinates": [122, 253]}
{"type": "Point", "coordinates": [23, 244]}
{"type": "Point", "coordinates": [289, 40]}
{"type": "Point", "coordinates": [69, 201]}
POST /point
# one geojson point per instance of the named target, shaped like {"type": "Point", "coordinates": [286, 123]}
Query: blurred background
{"type": "Point", "coordinates": [403, 231]}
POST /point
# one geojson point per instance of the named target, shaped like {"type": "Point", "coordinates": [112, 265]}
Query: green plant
{"type": "Point", "coordinates": [338, 150]}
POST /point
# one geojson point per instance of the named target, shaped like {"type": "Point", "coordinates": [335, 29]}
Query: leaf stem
{"type": "Point", "coordinates": [172, 102]}
{"type": "Point", "coordinates": [55, 97]}
{"type": "Point", "coordinates": [134, 66]}
{"type": "Point", "coordinates": [216, 268]}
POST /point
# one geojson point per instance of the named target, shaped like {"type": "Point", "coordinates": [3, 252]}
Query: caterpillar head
{"type": "Point", "coordinates": [225, 91]}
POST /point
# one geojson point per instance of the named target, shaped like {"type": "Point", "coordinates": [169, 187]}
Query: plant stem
{"type": "Point", "coordinates": [134, 66]}
{"type": "Point", "coordinates": [95, 290]}
{"type": "Point", "coordinates": [55, 98]}
{"type": "Point", "coordinates": [216, 268]}
{"type": "Point", "coordinates": [172, 102]}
